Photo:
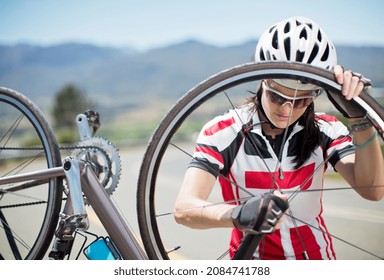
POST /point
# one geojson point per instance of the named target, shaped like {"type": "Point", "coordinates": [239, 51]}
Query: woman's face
{"type": "Point", "coordinates": [281, 111]}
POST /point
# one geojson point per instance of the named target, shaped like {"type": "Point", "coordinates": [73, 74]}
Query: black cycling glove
{"type": "Point", "coordinates": [349, 108]}
{"type": "Point", "coordinates": [259, 214]}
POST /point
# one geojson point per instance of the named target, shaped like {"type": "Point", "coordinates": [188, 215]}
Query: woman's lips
{"type": "Point", "coordinates": [282, 117]}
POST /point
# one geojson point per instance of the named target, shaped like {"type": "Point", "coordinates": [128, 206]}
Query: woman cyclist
{"type": "Point", "coordinates": [284, 135]}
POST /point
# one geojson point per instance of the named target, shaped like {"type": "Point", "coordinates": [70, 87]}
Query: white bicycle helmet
{"type": "Point", "coordinates": [296, 39]}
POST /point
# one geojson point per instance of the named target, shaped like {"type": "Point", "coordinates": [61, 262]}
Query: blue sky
{"type": "Point", "coordinates": [144, 24]}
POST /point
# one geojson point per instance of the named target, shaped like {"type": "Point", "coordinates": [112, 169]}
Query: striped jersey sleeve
{"type": "Point", "coordinates": [218, 143]}
{"type": "Point", "coordinates": [336, 141]}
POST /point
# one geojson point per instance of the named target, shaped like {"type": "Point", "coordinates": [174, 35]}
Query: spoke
{"type": "Point", "coordinates": [15, 236]}
{"type": "Point", "coordinates": [293, 194]}
{"type": "Point", "coordinates": [23, 186]}
{"type": "Point", "coordinates": [204, 206]}
{"type": "Point", "coordinates": [245, 130]}
{"type": "Point", "coordinates": [9, 132]}
{"type": "Point", "coordinates": [35, 199]}
{"type": "Point", "coordinates": [168, 213]}
{"type": "Point", "coordinates": [214, 171]}
{"type": "Point", "coordinates": [335, 237]}
{"type": "Point", "coordinates": [278, 163]}
{"type": "Point", "coordinates": [183, 109]}
{"type": "Point", "coordinates": [281, 174]}
{"type": "Point", "coordinates": [23, 165]}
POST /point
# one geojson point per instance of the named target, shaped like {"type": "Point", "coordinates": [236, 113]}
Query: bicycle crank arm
{"type": "Point", "coordinates": [72, 173]}
{"type": "Point", "coordinates": [74, 216]}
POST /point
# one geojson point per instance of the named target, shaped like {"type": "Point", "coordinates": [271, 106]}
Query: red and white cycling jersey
{"type": "Point", "coordinates": [247, 159]}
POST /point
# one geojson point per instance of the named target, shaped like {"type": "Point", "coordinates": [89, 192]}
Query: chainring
{"type": "Point", "coordinates": [104, 159]}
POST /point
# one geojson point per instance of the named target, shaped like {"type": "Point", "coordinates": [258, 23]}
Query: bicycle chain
{"type": "Point", "coordinates": [39, 149]}
{"type": "Point", "coordinates": [72, 148]}
{"type": "Point", "coordinates": [22, 204]}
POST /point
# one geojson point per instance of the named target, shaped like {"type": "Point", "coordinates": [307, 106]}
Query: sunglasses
{"type": "Point", "coordinates": [280, 99]}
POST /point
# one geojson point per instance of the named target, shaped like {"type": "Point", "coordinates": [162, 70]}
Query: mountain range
{"type": "Point", "coordinates": [122, 77]}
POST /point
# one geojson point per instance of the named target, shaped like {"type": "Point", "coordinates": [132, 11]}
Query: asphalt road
{"type": "Point", "coordinates": [349, 217]}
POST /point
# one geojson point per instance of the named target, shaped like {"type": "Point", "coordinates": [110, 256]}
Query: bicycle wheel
{"type": "Point", "coordinates": [170, 150]}
{"type": "Point", "coordinates": [29, 211]}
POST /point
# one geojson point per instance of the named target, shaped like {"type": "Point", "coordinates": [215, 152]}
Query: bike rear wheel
{"type": "Point", "coordinates": [169, 153]}
{"type": "Point", "coordinates": [29, 211]}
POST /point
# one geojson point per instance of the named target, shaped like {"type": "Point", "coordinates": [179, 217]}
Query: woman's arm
{"type": "Point", "coordinates": [192, 208]}
{"type": "Point", "coordinates": [363, 170]}
{"type": "Point", "coordinates": [259, 214]}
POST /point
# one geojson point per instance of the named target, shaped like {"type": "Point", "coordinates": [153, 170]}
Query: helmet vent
{"type": "Point", "coordinates": [287, 27]}
{"type": "Point", "coordinates": [319, 36]}
{"type": "Point", "coordinates": [287, 48]}
{"type": "Point", "coordinates": [275, 41]}
{"type": "Point", "coordinates": [262, 57]}
{"type": "Point", "coordinates": [268, 55]}
{"type": "Point", "coordinates": [296, 39]}
{"type": "Point", "coordinates": [303, 34]}
{"type": "Point", "coordinates": [314, 52]}
{"type": "Point", "coordinates": [299, 56]}
{"type": "Point", "coordinates": [325, 55]}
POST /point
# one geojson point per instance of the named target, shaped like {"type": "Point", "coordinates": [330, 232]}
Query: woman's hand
{"type": "Point", "coordinates": [260, 214]}
{"type": "Point", "coordinates": [351, 83]}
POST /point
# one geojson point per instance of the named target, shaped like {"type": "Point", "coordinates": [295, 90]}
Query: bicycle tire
{"type": "Point", "coordinates": [29, 215]}
{"type": "Point", "coordinates": [172, 121]}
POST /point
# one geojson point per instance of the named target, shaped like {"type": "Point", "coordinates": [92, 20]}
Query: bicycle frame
{"type": "Point", "coordinates": [81, 178]}
{"type": "Point", "coordinates": [120, 233]}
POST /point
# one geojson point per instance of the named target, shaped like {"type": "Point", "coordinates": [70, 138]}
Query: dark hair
{"type": "Point", "coordinates": [311, 135]}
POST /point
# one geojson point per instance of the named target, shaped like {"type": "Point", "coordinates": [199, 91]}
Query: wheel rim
{"type": "Point", "coordinates": [32, 213]}
{"type": "Point", "coordinates": [149, 194]}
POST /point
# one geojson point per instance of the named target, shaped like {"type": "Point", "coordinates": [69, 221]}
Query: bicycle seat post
{"type": "Point", "coordinates": [84, 127]}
